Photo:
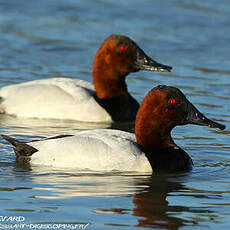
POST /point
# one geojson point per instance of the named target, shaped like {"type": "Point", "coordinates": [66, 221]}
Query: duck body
{"type": "Point", "coordinates": [100, 150]}
{"type": "Point", "coordinates": [61, 98]}
{"type": "Point", "coordinates": [106, 150]}
{"type": "Point", "coordinates": [65, 98]}
{"type": "Point", "coordinates": [106, 100]}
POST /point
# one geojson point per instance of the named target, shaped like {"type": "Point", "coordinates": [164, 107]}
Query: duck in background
{"type": "Point", "coordinates": [153, 149]}
{"type": "Point", "coordinates": [75, 99]}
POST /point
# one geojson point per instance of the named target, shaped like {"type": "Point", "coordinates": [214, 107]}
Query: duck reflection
{"type": "Point", "coordinates": [157, 201]}
{"type": "Point", "coordinates": [149, 193]}
{"type": "Point", "coordinates": [48, 127]}
{"type": "Point", "coordinates": [152, 205]}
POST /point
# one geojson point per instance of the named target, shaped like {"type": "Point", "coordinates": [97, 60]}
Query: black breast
{"type": "Point", "coordinates": [170, 160]}
{"type": "Point", "coordinates": [121, 108]}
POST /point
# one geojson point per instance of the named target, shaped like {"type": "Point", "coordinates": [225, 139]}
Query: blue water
{"type": "Point", "coordinates": [47, 38]}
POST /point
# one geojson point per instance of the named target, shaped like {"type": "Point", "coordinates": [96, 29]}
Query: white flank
{"type": "Point", "coordinates": [61, 98]}
{"type": "Point", "coordinates": [101, 150]}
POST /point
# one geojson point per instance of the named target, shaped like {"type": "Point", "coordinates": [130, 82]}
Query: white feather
{"type": "Point", "coordinates": [61, 98]}
{"type": "Point", "coordinates": [102, 149]}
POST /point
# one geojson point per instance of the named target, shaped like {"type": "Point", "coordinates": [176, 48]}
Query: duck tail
{"type": "Point", "coordinates": [11, 140]}
{"type": "Point", "coordinates": [21, 149]}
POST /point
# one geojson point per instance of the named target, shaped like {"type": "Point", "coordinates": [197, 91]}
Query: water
{"type": "Point", "coordinates": [47, 38]}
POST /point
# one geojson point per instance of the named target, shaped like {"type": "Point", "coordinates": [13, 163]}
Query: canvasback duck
{"type": "Point", "coordinates": [66, 98]}
{"type": "Point", "coordinates": [153, 149]}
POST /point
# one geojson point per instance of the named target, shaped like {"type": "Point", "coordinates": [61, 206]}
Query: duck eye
{"type": "Point", "coordinates": [122, 48]}
{"type": "Point", "coordinates": [172, 101]}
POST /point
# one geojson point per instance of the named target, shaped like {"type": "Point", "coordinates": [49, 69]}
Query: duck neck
{"type": "Point", "coordinates": [108, 81]}
{"type": "Point", "coordinates": [163, 154]}
{"type": "Point", "coordinates": [152, 137]}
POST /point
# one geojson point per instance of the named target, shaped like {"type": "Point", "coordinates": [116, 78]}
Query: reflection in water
{"type": "Point", "coordinates": [148, 194]}
{"type": "Point", "coordinates": [167, 201]}
{"type": "Point", "coordinates": [48, 127]}
{"type": "Point", "coordinates": [153, 207]}
{"type": "Point", "coordinates": [44, 127]}
{"type": "Point", "coordinates": [66, 184]}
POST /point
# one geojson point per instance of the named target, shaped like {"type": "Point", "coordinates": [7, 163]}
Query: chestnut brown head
{"type": "Point", "coordinates": [126, 56]}
{"type": "Point", "coordinates": [164, 108]}
{"type": "Point", "coordinates": [116, 58]}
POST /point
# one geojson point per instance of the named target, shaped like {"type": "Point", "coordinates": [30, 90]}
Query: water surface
{"type": "Point", "coordinates": [47, 38]}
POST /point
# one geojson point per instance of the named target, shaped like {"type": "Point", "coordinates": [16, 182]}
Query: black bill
{"type": "Point", "coordinates": [143, 62]}
{"type": "Point", "coordinates": [194, 116]}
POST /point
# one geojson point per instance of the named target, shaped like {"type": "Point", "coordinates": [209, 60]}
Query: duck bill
{"type": "Point", "coordinates": [197, 118]}
{"type": "Point", "coordinates": [143, 62]}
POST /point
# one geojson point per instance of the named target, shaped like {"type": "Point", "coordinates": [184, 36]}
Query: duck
{"type": "Point", "coordinates": [150, 149]}
{"type": "Point", "coordinates": [106, 100]}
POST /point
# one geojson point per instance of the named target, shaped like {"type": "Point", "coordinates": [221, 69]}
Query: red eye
{"type": "Point", "coordinates": [172, 101]}
{"type": "Point", "coordinates": [122, 48]}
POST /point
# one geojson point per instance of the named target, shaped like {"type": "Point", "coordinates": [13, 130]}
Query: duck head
{"type": "Point", "coordinates": [116, 58]}
{"type": "Point", "coordinates": [162, 109]}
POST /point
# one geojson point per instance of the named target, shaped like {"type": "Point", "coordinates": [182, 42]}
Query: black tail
{"type": "Point", "coordinates": [11, 140]}
{"type": "Point", "coordinates": [21, 149]}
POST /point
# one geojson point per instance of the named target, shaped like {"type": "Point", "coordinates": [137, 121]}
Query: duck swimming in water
{"type": "Point", "coordinates": [108, 100]}
{"type": "Point", "coordinates": [152, 150]}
